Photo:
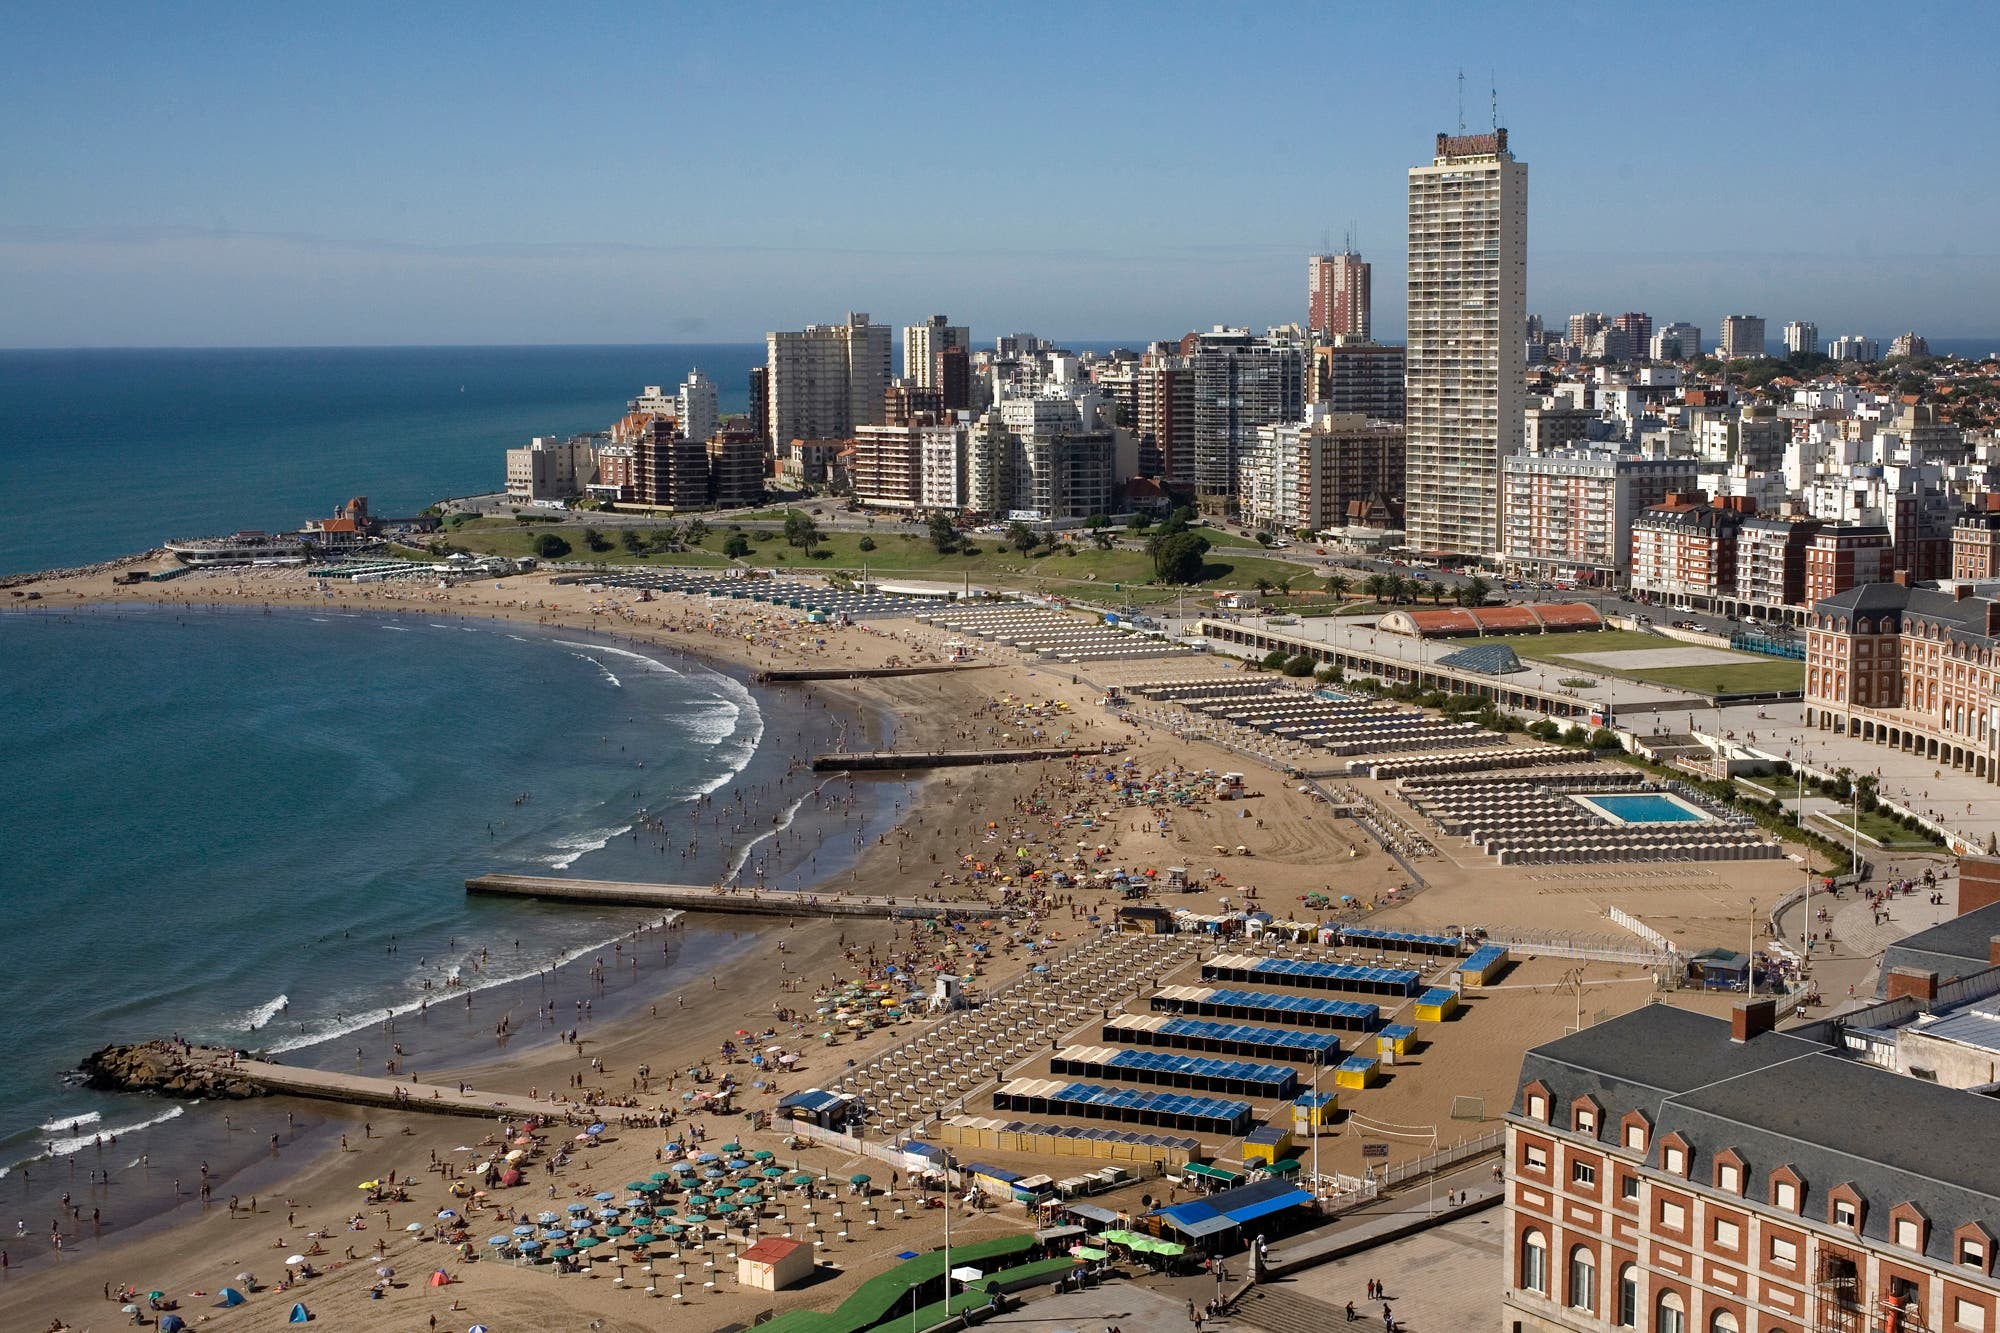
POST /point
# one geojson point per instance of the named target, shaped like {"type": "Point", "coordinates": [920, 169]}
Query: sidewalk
{"type": "Point", "coordinates": [1389, 1219]}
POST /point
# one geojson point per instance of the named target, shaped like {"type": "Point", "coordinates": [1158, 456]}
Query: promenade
{"type": "Point", "coordinates": [388, 1094]}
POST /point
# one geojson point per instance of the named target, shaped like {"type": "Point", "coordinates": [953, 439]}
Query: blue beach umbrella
{"type": "Point", "coordinates": [524, 1231]}
{"type": "Point", "coordinates": [577, 1208]}
{"type": "Point", "coordinates": [597, 1128]}
{"type": "Point", "coordinates": [580, 1224]}
{"type": "Point", "coordinates": [499, 1240]}
{"type": "Point", "coordinates": [548, 1218]}
{"type": "Point", "coordinates": [604, 1196]}
{"type": "Point", "coordinates": [531, 1245]}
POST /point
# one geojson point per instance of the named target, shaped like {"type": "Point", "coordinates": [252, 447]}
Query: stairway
{"type": "Point", "coordinates": [1281, 1309]}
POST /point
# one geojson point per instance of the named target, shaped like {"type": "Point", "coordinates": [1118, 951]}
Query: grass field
{"type": "Point", "coordinates": [1753, 675]}
{"type": "Point", "coordinates": [1889, 832]}
{"type": "Point", "coordinates": [1733, 678]}
{"type": "Point", "coordinates": [1554, 647]}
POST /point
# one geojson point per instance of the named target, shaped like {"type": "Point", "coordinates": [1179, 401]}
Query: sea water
{"type": "Point", "coordinates": [253, 828]}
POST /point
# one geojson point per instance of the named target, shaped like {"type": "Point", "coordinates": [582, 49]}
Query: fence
{"type": "Point", "coordinates": [1619, 916]}
{"type": "Point", "coordinates": [1589, 948]}
{"type": "Point", "coordinates": [1431, 1162]}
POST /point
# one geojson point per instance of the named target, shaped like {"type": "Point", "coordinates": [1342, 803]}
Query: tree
{"type": "Point", "coordinates": [1177, 557]}
{"type": "Point", "coordinates": [595, 540]}
{"type": "Point", "coordinates": [1141, 520]}
{"type": "Point", "coordinates": [1476, 592]}
{"type": "Point", "coordinates": [737, 546]}
{"type": "Point", "coordinates": [1097, 522]}
{"type": "Point", "coordinates": [1102, 540]}
{"type": "Point", "coordinates": [1298, 665]}
{"type": "Point", "coordinates": [1376, 586]}
{"type": "Point", "coordinates": [697, 532]}
{"type": "Point", "coordinates": [631, 541]}
{"type": "Point", "coordinates": [1022, 537]}
{"type": "Point", "coordinates": [1284, 587]}
{"type": "Point", "coordinates": [800, 530]}
{"type": "Point", "coordinates": [1261, 585]}
{"type": "Point", "coordinates": [1337, 585]}
{"type": "Point", "coordinates": [866, 543]}
{"type": "Point", "coordinates": [551, 547]}
{"type": "Point", "coordinates": [1273, 660]}
{"type": "Point", "coordinates": [944, 533]}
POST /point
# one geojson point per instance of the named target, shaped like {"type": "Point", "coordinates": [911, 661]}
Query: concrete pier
{"type": "Point", "coordinates": [881, 761]}
{"type": "Point", "coordinates": [778, 675]}
{"type": "Point", "coordinates": [739, 901]}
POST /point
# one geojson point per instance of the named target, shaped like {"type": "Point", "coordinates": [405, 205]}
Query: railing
{"type": "Point", "coordinates": [1580, 947]}
{"type": "Point", "coordinates": [1436, 1160]}
{"type": "Point", "coordinates": [1619, 916]}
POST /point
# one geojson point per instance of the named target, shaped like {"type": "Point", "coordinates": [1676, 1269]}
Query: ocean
{"type": "Point", "coordinates": [108, 452]}
{"type": "Point", "coordinates": [253, 828]}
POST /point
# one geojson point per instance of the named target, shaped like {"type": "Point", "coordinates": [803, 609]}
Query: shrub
{"type": "Point", "coordinates": [1300, 665]}
{"type": "Point", "coordinates": [549, 546]}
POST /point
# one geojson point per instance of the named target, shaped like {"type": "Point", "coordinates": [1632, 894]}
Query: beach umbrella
{"type": "Point", "coordinates": [531, 1245]}
{"type": "Point", "coordinates": [579, 1224]}
{"type": "Point", "coordinates": [660, 1177]}
{"type": "Point", "coordinates": [763, 1155]}
{"type": "Point", "coordinates": [292, 1262]}
{"type": "Point", "coordinates": [772, 1172]}
{"type": "Point", "coordinates": [681, 1168]}
{"type": "Point", "coordinates": [695, 1219]}
{"type": "Point", "coordinates": [499, 1240]}
{"type": "Point", "coordinates": [414, 1227]}
{"type": "Point", "coordinates": [564, 1252]}
{"type": "Point", "coordinates": [476, 1328]}
{"type": "Point", "coordinates": [577, 1208]}
{"type": "Point", "coordinates": [548, 1218]}
{"type": "Point", "coordinates": [129, 1309]}
{"type": "Point", "coordinates": [641, 1185]}
{"type": "Point", "coordinates": [609, 1213]}
{"type": "Point", "coordinates": [524, 1231]}
{"type": "Point", "coordinates": [555, 1233]}
{"type": "Point", "coordinates": [385, 1271]}
{"type": "Point", "coordinates": [713, 1173]}
{"type": "Point", "coordinates": [604, 1196]}
{"type": "Point", "coordinates": [589, 1242]}
{"type": "Point", "coordinates": [859, 1178]}
{"type": "Point", "coordinates": [737, 1164]}
{"type": "Point", "coordinates": [597, 1128]}
{"type": "Point", "coordinates": [617, 1230]}
{"type": "Point", "coordinates": [670, 1229]}
{"type": "Point", "coordinates": [725, 1208]}
{"type": "Point", "coordinates": [446, 1215]}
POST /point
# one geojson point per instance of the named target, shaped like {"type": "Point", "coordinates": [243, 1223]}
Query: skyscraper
{"type": "Point", "coordinates": [700, 406]}
{"type": "Point", "coordinates": [1338, 295]}
{"type": "Point", "coordinates": [1468, 304]}
{"type": "Point", "coordinates": [922, 343]}
{"type": "Point", "coordinates": [1241, 382]}
{"type": "Point", "coordinates": [825, 380]}
{"type": "Point", "coordinates": [1801, 338]}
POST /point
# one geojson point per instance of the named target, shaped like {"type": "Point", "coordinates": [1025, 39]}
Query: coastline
{"type": "Point", "coordinates": [144, 1164]}
{"type": "Point", "coordinates": [926, 826]}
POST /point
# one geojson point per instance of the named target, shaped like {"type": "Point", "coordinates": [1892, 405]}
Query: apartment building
{"type": "Point", "coordinates": [1241, 382]}
{"type": "Point", "coordinates": [1840, 556]}
{"type": "Point", "coordinates": [1742, 336]}
{"type": "Point", "coordinates": [547, 469]}
{"type": "Point", "coordinates": [886, 468]}
{"type": "Point", "coordinates": [1771, 563]}
{"type": "Point", "coordinates": [924, 344]}
{"type": "Point", "coordinates": [1339, 294]}
{"type": "Point", "coordinates": [737, 469]}
{"type": "Point", "coordinates": [1356, 377]}
{"type": "Point", "coordinates": [1975, 541]}
{"type": "Point", "coordinates": [1568, 513]}
{"type": "Point", "coordinates": [1671, 1171]}
{"type": "Point", "coordinates": [825, 380]}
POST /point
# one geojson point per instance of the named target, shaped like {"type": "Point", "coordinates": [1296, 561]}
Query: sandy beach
{"type": "Point", "coordinates": [1295, 847]}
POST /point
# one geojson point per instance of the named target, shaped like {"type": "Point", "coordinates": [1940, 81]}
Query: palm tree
{"type": "Point", "coordinates": [1477, 590]}
{"type": "Point", "coordinates": [1262, 586]}
{"type": "Point", "coordinates": [1376, 586]}
{"type": "Point", "coordinates": [1284, 587]}
{"type": "Point", "coordinates": [1337, 585]}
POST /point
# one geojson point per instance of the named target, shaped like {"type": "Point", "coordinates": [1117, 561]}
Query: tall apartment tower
{"type": "Point", "coordinates": [1468, 304]}
{"type": "Point", "coordinates": [700, 406]}
{"type": "Point", "coordinates": [1742, 336]}
{"type": "Point", "coordinates": [1801, 338]}
{"type": "Point", "coordinates": [923, 343]}
{"type": "Point", "coordinates": [1338, 291]}
{"type": "Point", "coordinates": [825, 380]}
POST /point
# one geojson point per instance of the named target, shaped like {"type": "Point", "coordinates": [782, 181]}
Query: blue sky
{"type": "Point", "coordinates": [247, 174]}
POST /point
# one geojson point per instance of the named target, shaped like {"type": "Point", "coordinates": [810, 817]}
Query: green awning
{"type": "Point", "coordinates": [1211, 1172]}
{"type": "Point", "coordinates": [1090, 1253]}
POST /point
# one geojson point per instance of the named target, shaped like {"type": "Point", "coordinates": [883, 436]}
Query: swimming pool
{"type": "Point", "coordinates": [1643, 808]}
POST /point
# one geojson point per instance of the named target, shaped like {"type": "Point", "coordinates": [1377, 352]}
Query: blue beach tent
{"type": "Point", "coordinates": [300, 1315]}
{"type": "Point", "coordinates": [230, 1296]}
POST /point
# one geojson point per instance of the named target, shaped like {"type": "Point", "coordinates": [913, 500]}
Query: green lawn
{"type": "Point", "coordinates": [495, 536]}
{"type": "Point", "coordinates": [1874, 824]}
{"type": "Point", "coordinates": [1752, 675]}
{"type": "Point", "coordinates": [1734, 678]}
{"type": "Point", "coordinates": [1554, 647]}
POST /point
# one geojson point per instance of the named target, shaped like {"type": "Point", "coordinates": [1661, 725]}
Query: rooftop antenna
{"type": "Point", "coordinates": [1461, 99]}
{"type": "Point", "coordinates": [1325, 239]}
{"type": "Point", "coordinates": [1495, 86]}
{"type": "Point", "coordinates": [1349, 242]}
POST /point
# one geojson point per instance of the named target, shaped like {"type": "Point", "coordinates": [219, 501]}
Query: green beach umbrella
{"type": "Point", "coordinates": [859, 1178]}
{"type": "Point", "coordinates": [772, 1172]}
{"type": "Point", "coordinates": [802, 1179]}
{"type": "Point", "coordinates": [661, 1176]}
{"type": "Point", "coordinates": [762, 1155]}
{"type": "Point", "coordinates": [616, 1230]}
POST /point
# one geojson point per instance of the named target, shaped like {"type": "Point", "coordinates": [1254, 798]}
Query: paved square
{"type": "Point", "coordinates": [1446, 1278]}
{"type": "Point", "coordinates": [1651, 659]}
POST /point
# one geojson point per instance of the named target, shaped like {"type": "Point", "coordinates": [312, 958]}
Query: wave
{"type": "Point", "coordinates": [78, 1142]}
{"type": "Point", "coordinates": [331, 1030]}
{"type": "Point", "coordinates": [745, 719]}
{"type": "Point", "coordinates": [578, 845]}
{"type": "Point", "coordinates": [71, 1122]}
{"type": "Point", "coordinates": [400, 629]}
{"type": "Point", "coordinates": [265, 1012]}
{"type": "Point", "coordinates": [601, 667]}
{"type": "Point", "coordinates": [783, 822]}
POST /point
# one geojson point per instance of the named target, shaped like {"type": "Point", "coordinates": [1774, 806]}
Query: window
{"type": "Point", "coordinates": [1582, 1279]}
{"type": "Point", "coordinates": [1727, 1234]}
{"type": "Point", "coordinates": [1729, 1178]}
{"type": "Point", "coordinates": [1786, 1195]}
{"type": "Point", "coordinates": [1670, 1315]}
{"type": "Point", "coordinates": [1538, 1106]}
{"type": "Point", "coordinates": [1845, 1214]}
{"type": "Point", "coordinates": [1675, 1160]}
{"type": "Point", "coordinates": [1628, 1187]}
{"type": "Point", "coordinates": [1972, 1253]}
{"type": "Point", "coordinates": [1722, 1322]}
{"type": "Point", "coordinates": [1968, 1314]}
{"type": "Point", "coordinates": [1635, 1137]}
{"type": "Point", "coordinates": [1534, 1263]}
{"type": "Point", "coordinates": [1673, 1217]}
{"type": "Point", "coordinates": [1586, 1121]}
{"type": "Point", "coordinates": [1628, 1296]}
{"type": "Point", "coordinates": [1909, 1233]}
{"type": "Point", "coordinates": [1583, 1173]}
{"type": "Point", "coordinates": [1535, 1157]}
{"type": "Point", "coordinates": [1784, 1253]}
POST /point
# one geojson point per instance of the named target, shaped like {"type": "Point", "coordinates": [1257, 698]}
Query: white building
{"type": "Point", "coordinates": [1742, 337]}
{"type": "Point", "coordinates": [922, 343]}
{"type": "Point", "coordinates": [945, 451]}
{"type": "Point", "coordinates": [549, 469]}
{"type": "Point", "coordinates": [1569, 511]}
{"type": "Point", "coordinates": [1468, 303]}
{"type": "Point", "coordinates": [1801, 338]}
{"type": "Point", "coordinates": [699, 406]}
{"type": "Point", "coordinates": [1676, 342]}
{"type": "Point", "coordinates": [1048, 457]}
{"type": "Point", "coordinates": [825, 380]}
{"type": "Point", "coordinates": [1854, 347]}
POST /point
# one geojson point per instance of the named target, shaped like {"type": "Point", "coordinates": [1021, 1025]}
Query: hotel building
{"type": "Point", "coordinates": [1674, 1172]}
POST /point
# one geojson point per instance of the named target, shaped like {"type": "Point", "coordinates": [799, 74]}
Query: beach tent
{"type": "Point", "coordinates": [172, 1323]}
{"type": "Point", "coordinates": [230, 1296]}
{"type": "Point", "coordinates": [300, 1315]}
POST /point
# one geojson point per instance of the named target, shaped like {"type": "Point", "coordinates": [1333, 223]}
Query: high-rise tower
{"type": "Point", "coordinates": [1338, 296]}
{"type": "Point", "coordinates": [1468, 303]}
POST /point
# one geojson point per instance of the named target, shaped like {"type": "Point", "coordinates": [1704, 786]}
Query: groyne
{"type": "Point", "coordinates": [729, 902]}
{"type": "Point", "coordinates": [882, 761]}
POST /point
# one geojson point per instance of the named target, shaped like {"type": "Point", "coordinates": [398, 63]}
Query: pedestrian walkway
{"type": "Point", "coordinates": [1856, 926]}
{"type": "Point", "coordinates": [1442, 1278]}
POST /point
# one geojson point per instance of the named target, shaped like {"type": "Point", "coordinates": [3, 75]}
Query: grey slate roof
{"type": "Point", "coordinates": [1780, 1100]}
{"type": "Point", "coordinates": [1954, 948]}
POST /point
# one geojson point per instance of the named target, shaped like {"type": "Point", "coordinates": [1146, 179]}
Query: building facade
{"type": "Point", "coordinates": [547, 469]}
{"type": "Point", "coordinates": [1801, 338]}
{"type": "Point", "coordinates": [924, 343]}
{"type": "Point", "coordinates": [1676, 342]}
{"type": "Point", "coordinates": [1854, 347]}
{"type": "Point", "coordinates": [1684, 550]}
{"type": "Point", "coordinates": [1241, 382]}
{"type": "Point", "coordinates": [826, 380]}
{"type": "Point", "coordinates": [1975, 541]}
{"type": "Point", "coordinates": [1678, 1173]}
{"type": "Point", "coordinates": [1742, 336]}
{"type": "Point", "coordinates": [736, 468]}
{"type": "Point", "coordinates": [1165, 396]}
{"type": "Point", "coordinates": [699, 405]}
{"type": "Point", "coordinates": [1307, 475]}
{"type": "Point", "coordinates": [886, 468]}
{"type": "Point", "coordinates": [1840, 556]}
{"type": "Point", "coordinates": [1468, 305]}
{"type": "Point", "coordinates": [1362, 378]}
{"type": "Point", "coordinates": [1569, 511]}
{"type": "Point", "coordinates": [1338, 296]}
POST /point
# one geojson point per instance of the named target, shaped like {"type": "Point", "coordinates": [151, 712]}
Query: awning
{"type": "Point", "coordinates": [1250, 1212]}
{"type": "Point", "coordinates": [1059, 1233]}
{"type": "Point", "coordinates": [1090, 1212]}
{"type": "Point", "coordinates": [1199, 1227]}
{"type": "Point", "coordinates": [1211, 1172]}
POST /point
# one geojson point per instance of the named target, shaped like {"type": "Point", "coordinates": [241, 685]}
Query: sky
{"type": "Point", "coordinates": [256, 174]}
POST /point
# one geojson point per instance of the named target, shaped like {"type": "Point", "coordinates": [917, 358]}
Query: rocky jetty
{"type": "Point", "coordinates": [164, 1067]}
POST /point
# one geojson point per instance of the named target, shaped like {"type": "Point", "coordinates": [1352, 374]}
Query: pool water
{"type": "Point", "coordinates": [1647, 808]}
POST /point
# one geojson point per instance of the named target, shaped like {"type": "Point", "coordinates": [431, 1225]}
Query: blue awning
{"type": "Point", "coordinates": [813, 1100]}
{"type": "Point", "coordinates": [1250, 1212]}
